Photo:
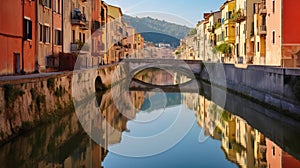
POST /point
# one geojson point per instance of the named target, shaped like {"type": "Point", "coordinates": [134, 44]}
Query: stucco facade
{"type": "Point", "coordinates": [273, 49]}
{"type": "Point", "coordinates": [17, 36]}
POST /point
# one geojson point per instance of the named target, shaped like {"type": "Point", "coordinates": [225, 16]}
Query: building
{"type": "Point", "coordinates": [115, 33]}
{"type": "Point", "coordinates": [49, 33]}
{"type": "Point", "coordinates": [97, 32]}
{"type": "Point", "coordinates": [104, 42]}
{"type": "Point", "coordinates": [226, 32]}
{"type": "Point", "coordinates": [135, 44]}
{"type": "Point", "coordinates": [260, 31]}
{"type": "Point", "coordinates": [77, 21]}
{"type": "Point", "coordinates": [282, 39]}
{"type": "Point", "coordinates": [245, 30]}
{"type": "Point", "coordinates": [213, 21]}
{"type": "Point", "coordinates": [277, 158]}
{"type": "Point", "coordinates": [200, 54]}
{"type": "Point", "coordinates": [18, 37]}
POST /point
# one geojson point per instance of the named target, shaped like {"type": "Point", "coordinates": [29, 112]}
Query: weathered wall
{"type": "Point", "coordinates": [25, 103]}
{"type": "Point", "coordinates": [275, 86]}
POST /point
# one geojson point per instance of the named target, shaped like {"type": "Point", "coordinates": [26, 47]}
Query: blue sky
{"type": "Point", "coordinates": [186, 12]}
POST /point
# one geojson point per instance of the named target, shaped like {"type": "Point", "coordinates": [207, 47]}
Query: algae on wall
{"type": "Point", "coordinates": [26, 105]}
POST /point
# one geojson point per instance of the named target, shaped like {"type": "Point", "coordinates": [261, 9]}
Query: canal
{"type": "Point", "coordinates": [130, 127]}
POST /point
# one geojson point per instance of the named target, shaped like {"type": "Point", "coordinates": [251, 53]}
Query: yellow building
{"type": "Point", "coordinates": [115, 34]}
{"type": "Point", "coordinates": [226, 32]}
{"type": "Point", "coordinates": [260, 32]}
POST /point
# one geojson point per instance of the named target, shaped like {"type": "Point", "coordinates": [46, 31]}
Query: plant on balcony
{"type": "Point", "coordinates": [217, 25]}
{"type": "Point", "coordinates": [82, 46]}
{"type": "Point", "coordinates": [238, 16]}
{"type": "Point", "coordinates": [225, 49]}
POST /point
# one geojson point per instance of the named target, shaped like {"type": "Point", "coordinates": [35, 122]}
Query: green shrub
{"type": "Point", "coordinates": [11, 93]}
{"type": "Point", "coordinates": [51, 83]}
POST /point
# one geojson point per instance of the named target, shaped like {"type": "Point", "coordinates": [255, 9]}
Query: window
{"type": "Point", "coordinates": [83, 10]}
{"type": "Point", "coordinates": [258, 47]}
{"type": "Point", "coordinates": [245, 48]}
{"type": "Point", "coordinates": [57, 6]}
{"type": "Point", "coordinates": [58, 37]}
{"type": "Point", "coordinates": [226, 31]}
{"type": "Point", "coordinates": [46, 3]}
{"type": "Point", "coordinates": [83, 38]}
{"type": "Point", "coordinates": [273, 6]}
{"type": "Point", "coordinates": [273, 37]}
{"type": "Point", "coordinates": [229, 14]}
{"type": "Point", "coordinates": [41, 32]}
{"type": "Point", "coordinates": [73, 36]}
{"type": "Point", "coordinates": [27, 29]}
{"type": "Point", "coordinates": [273, 150]}
{"type": "Point", "coordinates": [46, 34]}
{"type": "Point", "coordinates": [80, 38]}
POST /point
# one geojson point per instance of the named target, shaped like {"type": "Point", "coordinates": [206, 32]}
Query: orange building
{"type": "Point", "coordinates": [49, 32]}
{"type": "Point", "coordinates": [18, 37]}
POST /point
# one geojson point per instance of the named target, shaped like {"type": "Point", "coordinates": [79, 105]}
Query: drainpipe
{"type": "Point", "coordinates": [62, 25]}
{"type": "Point", "coordinates": [37, 39]}
{"type": "Point", "coordinates": [106, 36]}
{"type": "Point", "coordinates": [53, 31]}
{"type": "Point", "coordinates": [23, 38]}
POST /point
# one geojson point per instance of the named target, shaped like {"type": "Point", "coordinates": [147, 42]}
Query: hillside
{"type": "Point", "coordinates": [155, 30]}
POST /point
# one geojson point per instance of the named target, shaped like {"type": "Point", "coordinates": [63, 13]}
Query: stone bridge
{"type": "Point", "coordinates": [187, 67]}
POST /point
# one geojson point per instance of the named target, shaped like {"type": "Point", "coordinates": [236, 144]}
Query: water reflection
{"type": "Point", "coordinates": [157, 76]}
{"type": "Point", "coordinates": [234, 140]}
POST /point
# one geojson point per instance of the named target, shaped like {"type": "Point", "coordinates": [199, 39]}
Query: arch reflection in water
{"type": "Point", "coordinates": [163, 76]}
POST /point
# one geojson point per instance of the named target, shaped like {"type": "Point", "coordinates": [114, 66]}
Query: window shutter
{"type": "Point", "coordinates": [30, 29]}
{"type": "Point", "coordinates": [24, 29]}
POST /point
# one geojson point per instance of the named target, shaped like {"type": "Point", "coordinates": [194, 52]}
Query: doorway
{"type": "Point", "coordinates": [17, 69]}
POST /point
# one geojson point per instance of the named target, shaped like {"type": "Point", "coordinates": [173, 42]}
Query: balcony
{"type": "Point", "coordinates": [238, 16]}
{"type": "Point", "coordinates": [79, 46]}
{"type": "Point", "coordinates": [96, 26]}
{"type": "Point", "coordinates": [211, 29]}
{"type": "Point", "coordinates": [263, 10]}
{"type": "Point", "coordinates": [77, 18]}
{"type": "Point", "coordinates": [263, 30]}
{"type": "Point", "coordinates": [74, 47]}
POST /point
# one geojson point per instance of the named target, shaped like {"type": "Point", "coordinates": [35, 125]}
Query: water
{"type": "Point", "coordinates": [160, 129]}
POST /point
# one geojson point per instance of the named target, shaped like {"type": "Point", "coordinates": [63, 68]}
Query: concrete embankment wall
{"type": "Point", "coordinates": [28, 102]}
{"type": "Point", "coordinates": [271, 85]}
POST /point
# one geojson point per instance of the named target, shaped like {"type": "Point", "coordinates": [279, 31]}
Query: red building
{"type": "Point", "coordinates": [290, 33]}
{"type": "Point", "coordinates": [17, 36]}
{"type": "Point", "coordinates": [282, 40]}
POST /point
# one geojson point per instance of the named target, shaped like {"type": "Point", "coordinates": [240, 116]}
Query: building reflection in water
{"type": "Point", "coordinates": [241, 143]}
{"type": "Point", "coordinates": [64, 143]}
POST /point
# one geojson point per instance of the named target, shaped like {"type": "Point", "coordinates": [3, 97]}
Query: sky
{"type": "Point", "coordinates": [184, 12]}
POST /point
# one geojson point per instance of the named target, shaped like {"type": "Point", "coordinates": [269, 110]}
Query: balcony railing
{"type": "Point", "coordinates": [77, 18]}
{"type": "Point", "coordinates": [263, 30]}
{"type": "Point", "coordinates": [74, 47]}
{"type": "Point", "coordinates": [239, 16]}
{"type": "Point", "coordinates": [79, 46]}
{"type": "Point", "coordinates": [96, 26]}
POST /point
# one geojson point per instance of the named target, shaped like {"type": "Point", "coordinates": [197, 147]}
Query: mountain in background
{"type": "Point", "coordinates": [156, 31]}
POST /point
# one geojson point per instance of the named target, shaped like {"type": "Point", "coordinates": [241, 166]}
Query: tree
{"type": "Point", "coordinates": [225, 49]}
{"type": "Point", "coordinates": [192, 32]}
